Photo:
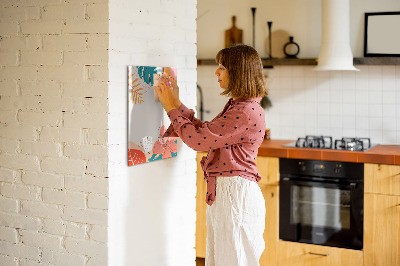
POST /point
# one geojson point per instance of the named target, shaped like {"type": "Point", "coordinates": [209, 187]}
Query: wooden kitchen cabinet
{"type": "Point", "coordinates": [382, 179]}
{"type": "Point", "coordinates": [300, 254]}
{"type": "Point", "coordinates": [382, 215]}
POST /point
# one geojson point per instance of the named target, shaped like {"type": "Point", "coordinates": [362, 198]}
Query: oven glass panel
{"type": "Point", "coordinates": [321, 207]}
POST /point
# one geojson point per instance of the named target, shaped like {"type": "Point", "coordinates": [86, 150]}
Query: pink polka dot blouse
{"type": "Point", "coordinates": [232, 139]}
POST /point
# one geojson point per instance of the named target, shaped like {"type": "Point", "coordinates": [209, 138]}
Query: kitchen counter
{"type": "Point", "coordinates": [380, 154]}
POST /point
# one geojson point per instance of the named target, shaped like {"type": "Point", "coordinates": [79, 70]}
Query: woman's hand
{"type": "Point", "coordinates": [165, 95]}
{"type": "Point", "coordinates": [175, 89]}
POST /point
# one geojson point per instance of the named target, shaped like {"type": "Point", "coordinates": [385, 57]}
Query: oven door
{"type": "Point", "coordinates": [321, 212]}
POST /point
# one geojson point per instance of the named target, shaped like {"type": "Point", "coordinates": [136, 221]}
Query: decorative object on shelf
{"type": "Point", "coordinates": [253, 10]}
{"type": "Point", "coordinates": [269, 38]}
{"type": "Point", "coordinates": [291, 49]}
{"type": "Point", "coordinates": [380, 37]}
{"type": "Point", "coordinates": [233, 36]}
{"type": "Point", "coordinates": [265, 102]}
{"type": "Point", "coordinates": [278, 39]}
{"type": "Point", "coordinates": [147, 120]}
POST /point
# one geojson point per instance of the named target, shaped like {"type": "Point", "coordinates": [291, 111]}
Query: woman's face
{"type": "Point", "coordinates": [223, 76]}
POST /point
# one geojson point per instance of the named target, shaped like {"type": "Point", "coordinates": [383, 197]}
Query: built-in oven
{"type": "Point", "coordinates": [321, 202]}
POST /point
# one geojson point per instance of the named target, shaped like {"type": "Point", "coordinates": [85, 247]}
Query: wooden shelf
{"type": "Point", "coordinates": [269, 63]}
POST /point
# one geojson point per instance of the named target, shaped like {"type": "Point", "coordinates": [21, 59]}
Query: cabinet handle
{"type": "Point", "coordinates": [318, 254]}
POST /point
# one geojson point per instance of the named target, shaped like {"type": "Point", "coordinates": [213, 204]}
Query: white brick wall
{"type": "Point", "coordinates": [149, 202]}
{"type": "Point", "coordinates": [53, 135]}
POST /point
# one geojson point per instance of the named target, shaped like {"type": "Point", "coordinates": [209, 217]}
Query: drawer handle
{"type": "Point", "coordinates": [318, 254]}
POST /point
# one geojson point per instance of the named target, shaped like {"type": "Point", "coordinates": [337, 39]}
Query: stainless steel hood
{"type": "Point", "coordinates": [335, 52]}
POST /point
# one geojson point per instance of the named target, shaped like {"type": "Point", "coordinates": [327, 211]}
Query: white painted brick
{"type": "Point", "coordinates": [97, 11]}
{"type": "Point", "coordinates": [97, 202]}
{"type": "Point", "coordinates": [9, 58]}
{"type": "Point", "coordinates": [86, 26]}
{"type": "Point", "coordinates": [22, 43]}
{"type": "Point", "coordinates": [98, 73]}
{"type": "Point", "coordinates": [95, 136]}
{"type": "Point", "coordinates": [54, 227]}
{"type": "Point", "coordinates": [24, 103]}
{"type": "Point", "coordinates": [63, 166]}
{"type": "Point", "coordinates": [62, 104]}
{"type": "Point", "coordinates": [35, 239]}
{"type": "Point", "coordinates": [40, 118]}
{"type": "Point", "coordinates": [85, 121]}
{"type": "Point", "coordinates": [98, 42]}
{"type": "Point", "coordinates": [88, 152]}
{"type": "Point", "coordinates": [8, 234]}
{"type": "Point", "coordinates": [26, 262]}
{"type": "Point", "coordinates": [7, 175]}
{"type": "Point", "coordinates": [87, 184]}
{"type": "Point", "coordinates": [76, 230]}
{"type": "Point", "coordinates": [86, 89]}
{"type": "Point", "coordinates": [96, 105]}
{"type": "Point", "coordinates": [68, 42]}
{"type": "Point", "coordinates": [8, 117]}
{"type": "Point", "coordinates": [89, 216]}
{"type": "Point", "coordinates": [20, 251]}
{"type": "Point", "coordinates": [69, 12]}
{"type": "Point", "coordinates": [8, 88]}
{"type": "Point", "coordinates": [185, 48]}
{"type": "Point", "coordinates": [98, 261]}
{"type": "Point", "coordinates": [8, 205]}
{"type": "Point", "coordinates": [97, 169]}
{"type": "Point", "coordinates": [36, 58]}
{"type": "Point", "coordinates": [85, 58]}
{"type": "Point", "coordinates": [41, 148]}
{"type": "Point", "coordinates": [18, 132]}
{"type": "Point", "coordinates": [8, 261]}
{"type": "Point", "coordinates": [20, 161]}
{"type": "Point", "coordinates": [19, 73]}
{"type": "Point", "coordinates": [62, 258]}
{"type": "Point", "coordinates": [19, 221]}
{"type": "Point", "coordinates": [19, 191]}
{"type": "Point", "coordinates": [43, 179]}
{"type": "Point", "coordinates": [41, 27]}
{"type": "Point", "coordinates": [98, 233]}
{"type": "Point", "coordinates": [8, 29]}
{"type": "Point", "coordinates": [40, 209]}
{"type": "Point", "coordinates": [39, 88]}
{"type": "Point", "coordinates": [85, 247]}
{"type": "Point", "coordinates": [61, 73]}
{"type": "Point", "coordinates": [17, 13]}
{"type": "Point", "coordinates": [9, 146]}
{"type": "Point", "coordinates": [60, 134]}
{"type": "Point", "coordinates": [64, 197]}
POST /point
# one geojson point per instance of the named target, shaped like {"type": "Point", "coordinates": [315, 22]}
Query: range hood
{"type": "Point", "coordinates": [335, 52]}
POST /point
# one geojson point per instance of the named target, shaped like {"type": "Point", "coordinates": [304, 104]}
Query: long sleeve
{"type": "Point", "coordinates": [185, 112]}
{"type": "Point", "coordinates": [232, 127]}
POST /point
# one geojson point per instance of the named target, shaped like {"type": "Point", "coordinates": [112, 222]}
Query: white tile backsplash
{"type": "Point", "coordinates": [363, 103]}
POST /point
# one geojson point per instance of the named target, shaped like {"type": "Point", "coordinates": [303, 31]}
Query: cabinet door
{"type": "Point", "coordinates": [268, 168]}
{"type": "Point", "coordinates": [299, 254]}
{"type": "Point", "coordinates": [381, 230]}
{"type": "Point", "coordinates": [382, 179]}
{"type": "Point", "coordinates": [271, 232]}
{"type": "Point", "coordinates": [201, 205]}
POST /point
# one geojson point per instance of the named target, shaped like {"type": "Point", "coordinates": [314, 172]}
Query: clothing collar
{"type": "Point", "coordinates": [255, 99]}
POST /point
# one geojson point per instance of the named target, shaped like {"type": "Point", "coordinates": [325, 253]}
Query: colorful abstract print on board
{"type": "Point", "coordinates": [147, 120]}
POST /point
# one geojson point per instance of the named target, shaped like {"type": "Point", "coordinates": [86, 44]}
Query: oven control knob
{"type": "Point", "coordinates": [338, 170]}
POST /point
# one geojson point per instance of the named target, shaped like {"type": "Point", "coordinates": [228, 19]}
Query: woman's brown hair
{"type": "Point", "coordinates": [245, 69]}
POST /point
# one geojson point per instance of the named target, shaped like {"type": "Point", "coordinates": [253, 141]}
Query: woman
{"type": "Point", "coordinates": [236, 211]}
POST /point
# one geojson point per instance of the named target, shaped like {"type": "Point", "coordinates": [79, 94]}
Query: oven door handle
{"type": "Point", "coordinates": [319, 182]}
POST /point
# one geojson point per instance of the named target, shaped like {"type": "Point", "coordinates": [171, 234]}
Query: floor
{"type": "Point", "coordinates": [200, 262]}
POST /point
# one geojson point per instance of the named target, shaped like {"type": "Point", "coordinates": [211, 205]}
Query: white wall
{"type": "Point", "coordinates": [152, 205]}
{"type": "Point", "coordinates": [337, 103]}
{"type": "Point", "coordinates": [301, 19]}
{"type": "Point", "coordinates": [53, 133]}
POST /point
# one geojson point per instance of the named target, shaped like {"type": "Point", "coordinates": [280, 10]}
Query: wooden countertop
{"type": "Point", "coordinates": [380, 154]}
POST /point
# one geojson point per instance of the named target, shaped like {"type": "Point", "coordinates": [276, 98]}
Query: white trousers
{"type": "Point", "coordinates": [235, 223]}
